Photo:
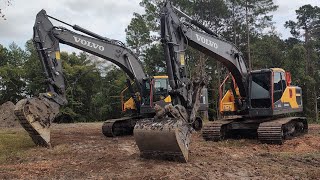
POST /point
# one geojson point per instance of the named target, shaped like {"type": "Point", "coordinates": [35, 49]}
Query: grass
{"type": "Point", "coordinates": [13, 144]}
{"type": "Point", "coordinates": [234, 143]}
{"type": "Point", "coordinates": [60, 150]}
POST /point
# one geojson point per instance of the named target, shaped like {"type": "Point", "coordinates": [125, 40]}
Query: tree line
{"type": "Point", "coordinates": [93, 90]}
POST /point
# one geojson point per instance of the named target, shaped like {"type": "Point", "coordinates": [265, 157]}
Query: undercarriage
{"type": "Point", "coordinates": [267, 130]}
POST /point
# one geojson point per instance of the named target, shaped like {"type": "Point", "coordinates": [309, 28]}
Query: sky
{"type": "Point", "coordinates": [105, 17]}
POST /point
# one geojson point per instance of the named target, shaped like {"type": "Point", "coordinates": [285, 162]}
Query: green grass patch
{"type": "Point", "coordinates": [60, 150]}
{"type": "Point", "coordinates": [303, 156]}
{"type": "Point", "coordinates": [313, 155]}
{"type": "Point", "coordinates": [234, 142]}
{"type": "Point", "coordinates": [285, 155]}
{"type": "Point", "coordinates": [13, 144]}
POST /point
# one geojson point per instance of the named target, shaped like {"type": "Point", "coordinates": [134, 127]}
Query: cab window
{"type": "Point", "coordinates": [279, 85]}
{"type": "Point", "coordinates": [160, 89]}
{"type": "Point", "coordinates": [283, 81]}
{"type": "Point", "coordinates": [260, 90]}
{"type": "Point", "coordinates": [146, 93]}
{"type": "Point", "coordinates": [160, 86]}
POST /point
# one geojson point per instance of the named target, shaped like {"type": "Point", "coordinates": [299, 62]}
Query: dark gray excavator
{"type": "Point", "coordinates": [36, 114]}
{"type": "Point", "coordinates": [258, 101]}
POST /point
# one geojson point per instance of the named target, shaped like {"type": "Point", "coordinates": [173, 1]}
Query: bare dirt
{"type": "Point", "coordinates": [7, 117]}
{"type": "Point", "coordinates": [81, 152]}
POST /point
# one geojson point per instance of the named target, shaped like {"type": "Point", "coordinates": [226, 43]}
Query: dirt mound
{"type": "Point", "coordinates": [7, 117]}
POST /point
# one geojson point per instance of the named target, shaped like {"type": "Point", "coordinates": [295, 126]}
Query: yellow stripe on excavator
{"type": "Point", "coordinates": [182, 60]}
{"type": "Point", "coordinates": [160, 77]}
{"type": "Point", "coordinates": [57, 55]}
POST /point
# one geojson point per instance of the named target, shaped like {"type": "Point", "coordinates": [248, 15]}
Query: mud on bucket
{"type": "Point", "coordinates": [168, 139]}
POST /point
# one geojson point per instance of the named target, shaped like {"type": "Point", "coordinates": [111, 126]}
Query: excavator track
{"type": "Point", "coordinates": [277, 131]}
{"type": "Point", "coordinates": [167, 139]}
{"type": "Point", "coordinates": [28, 112]}
{"type": "Point", "coordinates": [119, 127]}
{"type": "Point", "coordinates": [216, 130]}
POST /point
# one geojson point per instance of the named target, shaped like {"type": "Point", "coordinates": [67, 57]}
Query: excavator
{"type": "Point", "coordinates": [124, 126]}
{"type": "Point", "coordinates": [37, 113]}
{"type": "Point", "coordinates": [259, 100]}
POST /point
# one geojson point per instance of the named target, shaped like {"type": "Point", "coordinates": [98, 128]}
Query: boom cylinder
{"type": "Point", "coordinates": [81, 29]}
{"type": "Point", "coordinates": [194, 22]}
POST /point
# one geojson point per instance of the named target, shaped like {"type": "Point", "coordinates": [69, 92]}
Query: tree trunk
{"type": "Point", "coordinates": [248, 37]}
{"type": "Point", "coordinates": [315, 104]}
{"type": "Point", "coordinates": [219, 82]}
{"type": "Point", "coordinates": [306, 40]}
{"type": "Point", "coordinates": [234, 27]}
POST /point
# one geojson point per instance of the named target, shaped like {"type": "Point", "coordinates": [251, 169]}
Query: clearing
{"type": "Point", "coordinates": [82, 152]}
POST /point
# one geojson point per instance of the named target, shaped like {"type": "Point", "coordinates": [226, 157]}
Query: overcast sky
{"type": "Point", "coordinates": [106, 17]}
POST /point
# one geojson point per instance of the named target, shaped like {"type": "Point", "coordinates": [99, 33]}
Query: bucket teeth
{"type": "Point", "coordinates": [167, 139]}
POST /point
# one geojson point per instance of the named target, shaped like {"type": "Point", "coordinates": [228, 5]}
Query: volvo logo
{"type": "Point", "coordinates": [206, 41]}
{"type": "Point", "coordinates": [88, 43]}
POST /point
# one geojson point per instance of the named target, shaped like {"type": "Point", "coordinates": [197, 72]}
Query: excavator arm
{"type": "Point", "coordinates": [168, 137]}
{"type": "Point", "coordinates": [178, 35]}
{"type": "Point", "coordinates": [36, 114]}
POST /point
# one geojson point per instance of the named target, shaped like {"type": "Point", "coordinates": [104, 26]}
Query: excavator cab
{"type": "Point", "coordinates": [270, 93]}
{"type": "Point", "coordinates": [154, 91]}
{"type": "Point", "coordinates": [160, 89]}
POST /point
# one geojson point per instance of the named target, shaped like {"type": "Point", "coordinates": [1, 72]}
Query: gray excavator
{"type": "Point", "coordinates": [258, 101]}
{"type": "Point", "coordinates": [37, 113]}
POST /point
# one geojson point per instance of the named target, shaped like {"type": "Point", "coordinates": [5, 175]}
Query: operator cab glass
{"type": "Point", "coordinates": [260, 89]}
{"type": "Point", "coordinates": [266, 90]}
{"type": "Point", "coordinates": [279, 84]}
{"type": "Point", "coordinates": [154, 90]}
{"type": "Point", "coordinates": [160, 89]}
{"type": "Point", "coordinates": [146, 92]}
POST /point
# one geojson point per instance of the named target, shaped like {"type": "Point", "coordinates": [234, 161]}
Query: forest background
{"type": "Point", "coordinates": [93, 89]}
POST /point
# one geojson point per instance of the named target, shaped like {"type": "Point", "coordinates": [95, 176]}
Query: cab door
{"type": "Point", "coordinates": [279, 86]}
{"type": "Point", "coordinates": [260, 93]}
{"type": "Point", "coordinates": [160, 91]}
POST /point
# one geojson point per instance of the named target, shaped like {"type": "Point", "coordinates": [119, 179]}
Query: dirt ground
{"type": "Point", "coordinates": [81, 152]}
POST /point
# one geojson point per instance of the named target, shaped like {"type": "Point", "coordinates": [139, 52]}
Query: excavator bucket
{"type": "Point", "coordinates": [167, 139]}
{"type": "Point", "coordinates": [35, 115]}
